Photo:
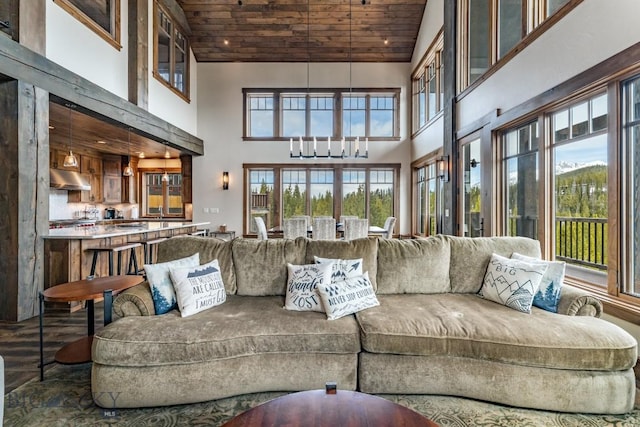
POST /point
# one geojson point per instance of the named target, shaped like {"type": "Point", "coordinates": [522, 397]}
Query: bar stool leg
{"type": "Point", "coordinates": [119, 263]}
{"type": "Point", "coordinates": [93, 263]}
{"type": "Point", "coordinates": [111, 263]}
{"type": "Point", "coordinates": [133, 262]}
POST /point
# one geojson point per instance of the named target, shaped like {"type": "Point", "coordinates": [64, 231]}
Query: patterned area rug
{"type": "Point", "coordinates": [64, 399]}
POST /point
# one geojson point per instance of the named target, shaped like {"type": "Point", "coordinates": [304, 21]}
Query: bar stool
{"type": "Point", "coordinates": [148, 246]}
{"type": "Point", "coordinates": [133, 260]}
{"type": "Point", "coordinates": [199, 233]}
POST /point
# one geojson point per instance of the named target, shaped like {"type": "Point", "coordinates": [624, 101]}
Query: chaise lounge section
{"type": "Point", "coordinates": [431, 333]}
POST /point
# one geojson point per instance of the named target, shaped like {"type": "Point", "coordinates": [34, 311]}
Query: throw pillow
{"type": "Point", "coordinates": [342, 268]}
{"type": "Point", "coordinates": [302, 285]}
{"type": "Point", "coordinates": [548, 295]}
{"type": "Point", "coordinates": [164, 296]}
{"type": "Point", "coordinates": [348, 296]}
{"type": "Point", "coordinates": [512, 282]}
{"type": "Point", "coordinates": [198, 288]}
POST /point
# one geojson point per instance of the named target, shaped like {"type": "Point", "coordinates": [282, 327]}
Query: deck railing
{"type": "Point", "coordinates": [579, 241]}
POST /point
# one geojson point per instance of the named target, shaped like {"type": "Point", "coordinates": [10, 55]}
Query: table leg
{"type": "Point", "coordinates": [108, 302]}
{"type": "Point", "coordinates": [41, 308]}
{"type": "Point", "coordinates": [90, 318]}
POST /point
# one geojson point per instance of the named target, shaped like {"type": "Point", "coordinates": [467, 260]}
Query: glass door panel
{"type": "Point", "coordinates": [472, 221]}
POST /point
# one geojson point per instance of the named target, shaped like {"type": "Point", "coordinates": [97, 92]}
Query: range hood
{"type": "Point", "coordinates": [68, 180]}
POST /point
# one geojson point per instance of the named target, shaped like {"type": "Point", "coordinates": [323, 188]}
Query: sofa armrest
{"type": "Point", "coordinates": [576, 302]}
{"type": "Point", "coordinates": [136, 301]}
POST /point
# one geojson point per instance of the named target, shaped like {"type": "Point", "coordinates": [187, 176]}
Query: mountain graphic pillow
{"type": "Point", "coordinates": [342, 268]}
{"type": "Point", "coordinates": [548, 295]}
{"type": "Point", "coordinates": [162, 292]}
{"type": "Point", "coordinates": [198, 288]}
{"type": "Point", "coordinates": [512, 282]}
{"type": "Point", "coordinates": [302, 285]}
{"type": "Point", "coordinates": [348, 296]}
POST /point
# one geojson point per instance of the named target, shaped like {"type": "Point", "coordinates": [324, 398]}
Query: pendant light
{"type": "Point", "coordinates": [70, 160]}
{"type": "Point", "coordinates": [165, 176]}
{"type": "Point", "coordinates": [128, 170]}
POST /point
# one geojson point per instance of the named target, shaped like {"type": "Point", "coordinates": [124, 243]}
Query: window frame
{"type": "Point", "coordinates": [423, 164]}
{"type": "Point", "coordinates": [419, 81]}
{"type": "Point", "coordinates": [112, 37]}
{"type": "Point", "coordinates": [535, 23]}
{"type": "Point", "coordinates": [165, 192]}
{"type": "Point", "coordinates": [338, 94]}
{"type": "Point", "coordinates": [338, 170]}
{"type": "Point", "coordinates": [175, 26]}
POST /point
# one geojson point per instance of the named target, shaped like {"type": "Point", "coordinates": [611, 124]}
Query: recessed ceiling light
{"type": "Point", "coordinates": [226, 42]}
{"type": "Point", "coordinates": [101, 142]}
{"type": "Point", "coordinates": [386, 40]}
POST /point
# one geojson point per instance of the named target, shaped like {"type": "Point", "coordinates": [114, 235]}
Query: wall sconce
{"type": "Point", "coordinates": [443, 168]}
{"type": "Point", "coordinates": [225, 180]}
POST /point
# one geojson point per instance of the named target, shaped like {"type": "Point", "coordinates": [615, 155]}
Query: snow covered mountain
{"type": "Point", "coordinates": [564, 167]}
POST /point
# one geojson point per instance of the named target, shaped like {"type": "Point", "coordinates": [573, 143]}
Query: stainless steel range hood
{"type": "Point", "coordinates": [68, 180]}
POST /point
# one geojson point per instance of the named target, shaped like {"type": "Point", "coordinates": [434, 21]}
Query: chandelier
{"type": "Point", "coordinates": [307, 148]}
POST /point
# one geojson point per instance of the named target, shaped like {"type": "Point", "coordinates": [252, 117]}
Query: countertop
{"type": "Point", "coordinates": [114, 230]}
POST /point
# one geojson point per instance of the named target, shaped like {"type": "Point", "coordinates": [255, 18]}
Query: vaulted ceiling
{"type": "Point", "coordinates": [303, 30]}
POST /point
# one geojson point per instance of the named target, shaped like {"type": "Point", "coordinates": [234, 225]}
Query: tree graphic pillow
{"type": "Point", "coordinates": [512, 282]}
{"type": "Point", "coordinates": [548, 295]}
{"type": "Point", "coordinates": [162, 292]}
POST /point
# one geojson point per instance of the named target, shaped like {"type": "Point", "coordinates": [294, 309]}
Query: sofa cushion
{"type": "Point", "coordinates": [208, 248]}
{"type": "Point", "coordinates": [302, 286]}
{"type": "Point", "coordinates": [366, 248]}
{"type": "Point", "coordinates": [512, 282]}
{"type": "Point", "coordinates": [464, 325]}
{"type": "Point", "coordinates": [416, 266]}
{"type": "Point", "coordinates": [261, 265]}
{"type": "Point", "coordinates": [470, 256]}
{"type": "Point", "coordinates": [548, 295]}
{"type": "Point", "coordinates": [198, 288]}
{"type": "Point", "coordinates": [241, 326]}
{"type": "Point", "coordinates": [349, 296]}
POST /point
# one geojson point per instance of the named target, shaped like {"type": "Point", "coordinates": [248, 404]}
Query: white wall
{"type": "Point", "coordinates": [592, 32]}
{"type": "Point", "coordinates": [74, 46]}
{"type": "Point", "coordinates": [219, 110]}
{"type": "Point", "coordinates": [430, 139]}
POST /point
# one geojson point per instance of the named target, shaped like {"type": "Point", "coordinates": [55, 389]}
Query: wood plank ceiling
{"type": "Point", "coordinates": [303, 30]}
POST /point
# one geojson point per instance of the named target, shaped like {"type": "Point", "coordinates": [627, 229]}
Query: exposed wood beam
{"type": "Point", "coordinates": [21, 63]}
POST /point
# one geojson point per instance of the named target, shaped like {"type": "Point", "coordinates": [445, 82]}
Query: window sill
{"type": "Point", "coordinates": [621, 308]}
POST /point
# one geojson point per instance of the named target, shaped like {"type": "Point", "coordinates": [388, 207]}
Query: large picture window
{"type": "Point", "coordinates": [281, 114]}
{"type": "Point", "coordinates": [427, 196]}
{"type": "Point", "coordinates": [101, 16]}
{"type": "Point", "coordinates": [162, 198]}
{"type": "Point", "coordinates": [171, 53]}
{"type": "Point", "coordinates": [283, 191]}
{"type": "Point", "coordinates": [631, 136]}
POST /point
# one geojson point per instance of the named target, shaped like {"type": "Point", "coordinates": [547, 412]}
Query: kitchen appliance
{"type": "Point", "coordinates": [134, 212]}
{"type": "Point", "coordinates": [68, 180]}
{"type": "Point", "coordinates": [110, 213]}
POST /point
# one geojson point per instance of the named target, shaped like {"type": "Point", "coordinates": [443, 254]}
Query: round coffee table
{"type": "Point", "coordinates": [79, 351]}
{"type": "Point", "coordinates": [318, 408]}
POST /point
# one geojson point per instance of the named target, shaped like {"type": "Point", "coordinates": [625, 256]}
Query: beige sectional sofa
{"type": "Point", "coordinates": [431, 333]}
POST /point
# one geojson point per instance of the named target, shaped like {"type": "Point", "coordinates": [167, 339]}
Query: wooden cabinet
{"type": "Point", "coordinates": [130, 183]}
{"type": "Point", "coordinates": [56, 160]}
{"type": "Point", "coordinates": [112, 179]}
{"type": "Point", "coordinates": [187, 179]}
{"type": "Point", "coordinates": [93, 167]}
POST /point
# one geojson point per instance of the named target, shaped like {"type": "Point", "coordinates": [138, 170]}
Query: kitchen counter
{"type": "Point", "coordinates": [118, 229]}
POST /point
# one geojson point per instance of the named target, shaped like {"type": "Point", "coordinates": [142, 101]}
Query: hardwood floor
{"type": "Point", "coordinates": [20, 346]}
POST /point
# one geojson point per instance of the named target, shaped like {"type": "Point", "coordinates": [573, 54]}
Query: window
{"type": "Point", "coordinates": [520, 165]}
{"type": "Point", "coordinates": [283, 114]}
{"type": "Point", "coordinates": [427, 197]}
{"type": "Point", "coordinates": [261, 197]}
{"type": "Point", "coordinates": [631, 137]}
{"type": "Point", "coordinates": [370, 191]}
{"type": "Point", "coordinates": [491, 30]}
{"type": "Point", "coordinates": [171, 53]}
{"type": "Point", "coordinates": [101, 16]}
{"type": "Point", "coordinates": [162, 198]}
{"type": "Point", "coordinates": [428, 86]}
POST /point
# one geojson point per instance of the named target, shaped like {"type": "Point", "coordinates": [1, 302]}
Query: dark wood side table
{"type": "Point", "coordinates": [79, 351]}
{"type": "Point", "coordinates": [320, 409]}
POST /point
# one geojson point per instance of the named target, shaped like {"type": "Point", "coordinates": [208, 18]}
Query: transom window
{"type": "Point", "coordinates": [280, 114]}
{"type": "Point", "coordinates": [171, 53]}
{"type": "Point", "coordinates": [283, 191]}
{"type": "Point", "coordinates": [428, 94]}
{"type": "Point", "coordinates": [101, 16]}
{"type": "Point", "coordinates": [491, 29]}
